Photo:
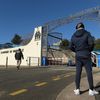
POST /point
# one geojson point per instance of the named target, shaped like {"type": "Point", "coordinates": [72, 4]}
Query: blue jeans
{"type": "Point", "coordinates": [80, 62]}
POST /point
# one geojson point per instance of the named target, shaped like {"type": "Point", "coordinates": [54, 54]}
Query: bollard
{"type": "Point", "coordinates": [6, 62]}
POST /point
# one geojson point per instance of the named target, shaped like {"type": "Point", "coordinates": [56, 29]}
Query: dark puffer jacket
{"type": "Point", "coordinates": [19, 55]}
{"type": "Point", "coordinates": [82, 43]}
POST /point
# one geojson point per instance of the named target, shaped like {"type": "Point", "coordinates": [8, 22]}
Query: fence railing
{"type": "Point", "coordinates": [33, 61]}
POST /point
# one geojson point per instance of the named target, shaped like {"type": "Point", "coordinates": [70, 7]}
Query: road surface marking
{"type": "Point", "coordinates": [41, 84]}
{"type": "Point", "coordinates": [56, 78]}
{"type": "Point", "coordinates": [18, 92]}
{"type": "Point", "coordinates": [73, 73]}
{"type": "Point", "coordinates": [36, 82]}
{"type": "Point", "coordinates": [67, 75]}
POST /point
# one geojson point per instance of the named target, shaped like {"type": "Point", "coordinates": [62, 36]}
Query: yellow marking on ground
{"type": "Point", "coordinates": [72, 73]}
{"type": "Point", "coordinates": [41, 84]}
{"type": "Point", "coordinates": [36, 82]}
{"type": "Point", "coordinates": [56, 78]}
{"type": "Point", "coordinates": [18, 92]}
{"type": "Point", "coordinates": [67, 75]}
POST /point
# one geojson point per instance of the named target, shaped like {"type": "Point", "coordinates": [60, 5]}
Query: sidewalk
{"type": "Point", "coordinates": [68, 94]}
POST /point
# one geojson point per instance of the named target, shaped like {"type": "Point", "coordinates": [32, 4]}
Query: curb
{"type": "Point", "coordinates": [68, 94]}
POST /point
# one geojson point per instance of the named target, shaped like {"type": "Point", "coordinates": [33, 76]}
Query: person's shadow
{"type": "Point", "coordinates": [96, 87]}
{"type": "Point", "coordinates": [82, 92]}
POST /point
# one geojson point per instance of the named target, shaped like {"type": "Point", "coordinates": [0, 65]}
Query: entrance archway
{"type": "Point", "coordinates": [92, 14]}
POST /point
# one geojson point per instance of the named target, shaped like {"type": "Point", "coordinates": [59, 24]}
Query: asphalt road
{"type": "Point", "coordinates": [34, 84]}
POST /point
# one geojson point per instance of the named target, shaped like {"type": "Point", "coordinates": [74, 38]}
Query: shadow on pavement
{"type": "Point", "coordinates": [97, 97]}
{"type": "Point", "coordinates": [97, 88]}
{"type": "Point", "coordinates": [84, 91]}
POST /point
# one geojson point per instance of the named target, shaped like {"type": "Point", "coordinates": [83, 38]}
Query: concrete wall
{"type": "Point", "coordinates": [31, 50]}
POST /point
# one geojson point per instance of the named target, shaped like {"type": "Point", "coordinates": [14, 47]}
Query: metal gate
{"type": "Point", "coordinates": [54, 61]}
{"type": "Point", "coordinates": [33, 61]}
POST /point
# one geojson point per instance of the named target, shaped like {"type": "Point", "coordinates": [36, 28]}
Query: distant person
{"type": "Point", "coordinates": [19, 56]}
{"type": "Point", "coordinates": [82, 43]}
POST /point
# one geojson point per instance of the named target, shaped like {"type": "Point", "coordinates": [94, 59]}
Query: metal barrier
{"type": "Point", "coordinates": [54, 61]}
{"type": "Point", "coordinates": [33, 61]}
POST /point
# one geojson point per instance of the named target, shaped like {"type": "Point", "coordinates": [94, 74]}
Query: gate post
{"type": "Point", "coordinates": [6, 62]}
{"type": "Point", "coordinates": [29, 61]}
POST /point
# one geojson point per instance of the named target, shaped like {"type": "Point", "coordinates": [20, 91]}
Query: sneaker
{"type": "Point", "coordinates": [93, 92]}
{"type": "Point", "coordinates": [77, 92]}
{"type": "Point", "coordinates": [18, 67]}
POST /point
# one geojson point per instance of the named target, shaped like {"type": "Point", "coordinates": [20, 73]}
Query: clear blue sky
{"type": "Point", "coordinates": [22, 16]}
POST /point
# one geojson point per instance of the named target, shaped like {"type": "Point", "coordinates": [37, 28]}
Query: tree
{"type": "Point", "coordinates": [97, 47]}
{"type": "Point", "coordinates": [64, 44]}
{"type": "Point", "coordinates": [17, 39]}
{"type": "Point", "coordinates": [25, 41]}
{"type": "Point", "coordinates": [97, 44]}
{"type": "Point", "coordinates": [97, 41]}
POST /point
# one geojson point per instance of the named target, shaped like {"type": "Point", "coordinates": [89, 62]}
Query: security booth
{"type": "Point", "coordinates": [95, 55]}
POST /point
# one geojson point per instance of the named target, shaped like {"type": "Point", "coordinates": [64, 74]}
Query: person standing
{"type": "Point", "coordinates": [82, 43]}
{"type": "Point", "coordinates": [19, 56]}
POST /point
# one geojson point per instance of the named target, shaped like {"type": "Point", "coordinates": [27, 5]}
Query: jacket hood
{"type": "Point", "coordinates": [79, 33]}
